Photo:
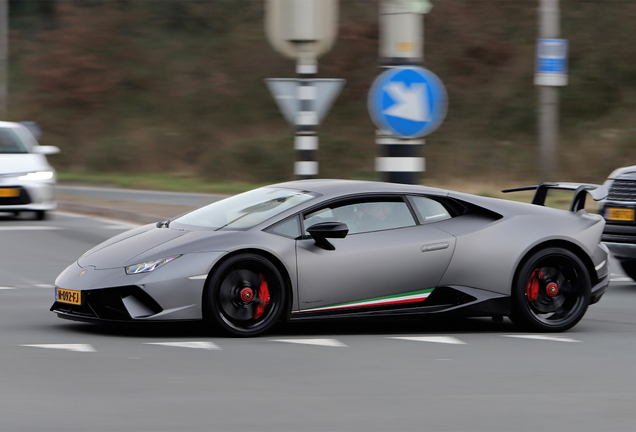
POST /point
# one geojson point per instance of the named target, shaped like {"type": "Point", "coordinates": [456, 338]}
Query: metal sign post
{"type": "Point", "coordinates": [406, 103]}
{"type": "Point", "coordinates": [551, 73]}
{"type": "Point", "coordinates": [303, 30]}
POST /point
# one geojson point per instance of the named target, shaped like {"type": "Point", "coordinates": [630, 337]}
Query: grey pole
{"type": "Point", "coordinates": [548, 110]}
{"type": "Point", "coordinates": [401, 44]}
{"type": "Point", "coordinates": [306, 138]}
{"type": "Point", "coordinates": [303, 30]}
{"type": "Point", "coordinates": [4, 36]}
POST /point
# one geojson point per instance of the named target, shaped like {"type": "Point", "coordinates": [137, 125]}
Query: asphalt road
{"type": "Point", "coordinates": [413, 375]}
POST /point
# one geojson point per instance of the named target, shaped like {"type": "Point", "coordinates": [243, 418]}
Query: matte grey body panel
{"type": "Point", "coordinates": [483, 260]}
{"type": "Point", "coordinates": [374, 264]}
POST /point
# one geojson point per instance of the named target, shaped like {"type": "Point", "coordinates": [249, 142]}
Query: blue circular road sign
{"type": "Point", "coordinates": [408, 101]}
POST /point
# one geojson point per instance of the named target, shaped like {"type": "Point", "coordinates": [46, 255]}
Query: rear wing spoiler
{"type": "Point", "coordinates": [597, 192]}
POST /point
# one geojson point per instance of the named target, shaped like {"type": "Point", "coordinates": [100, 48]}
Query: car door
{"type": "Point", "coordinates": [387, 258]}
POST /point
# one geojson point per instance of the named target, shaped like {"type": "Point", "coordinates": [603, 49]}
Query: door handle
{"type": "Point", "coordinates": [435, 246]}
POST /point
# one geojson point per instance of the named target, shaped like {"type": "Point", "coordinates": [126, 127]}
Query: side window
{"type": "Point", "coordinates": [289, 228]}
{"type": "Point", "coordinates": [364, 216]}
{"type": "Point", "coordinates": [430, 210]}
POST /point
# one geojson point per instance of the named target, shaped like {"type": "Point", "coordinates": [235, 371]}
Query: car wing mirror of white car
{"type": "Point", "coordinates": [320, 232]}
{"type": "Point", "coordinates": [46, 150]}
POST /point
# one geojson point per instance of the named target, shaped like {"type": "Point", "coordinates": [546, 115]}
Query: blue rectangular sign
{"type": "Point", "coordinates": [552, 62]}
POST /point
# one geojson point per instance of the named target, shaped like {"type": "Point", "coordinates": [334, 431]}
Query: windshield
{"type": "Point", "coordinates": [9, 142]}
{"type": "Point", "coordinates": [247, 209]}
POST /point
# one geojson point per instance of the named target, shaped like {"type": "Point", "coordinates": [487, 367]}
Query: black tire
{"type": "Point", "coordinates": [629, 267]}
{"type": "Point", "coordinates": [551, 292]}
{"type": "Point", "coordinates": [245, 296]}
{"type": "Point", "coordinates": [40, 215]}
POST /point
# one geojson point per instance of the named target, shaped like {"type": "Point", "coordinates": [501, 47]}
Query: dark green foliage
{"type": "Point", "coordinates": [181, 84]}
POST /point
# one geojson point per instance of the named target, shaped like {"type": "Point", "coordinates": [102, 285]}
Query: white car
{"type": "Point", "coordinates": [26, 178]}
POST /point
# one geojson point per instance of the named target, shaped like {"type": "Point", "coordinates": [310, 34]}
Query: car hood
{"type": "Point", "coordinates": [148, 243]}
{"type": "Point", "coordinates": [122, 250]}
{"type": "Point", "coordinates": [22, 163]}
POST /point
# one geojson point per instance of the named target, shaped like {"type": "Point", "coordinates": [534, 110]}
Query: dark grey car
{"type": "Point", "coordinates": [619, 210]}
{"type": "Point", "coordinates": [334, 248]}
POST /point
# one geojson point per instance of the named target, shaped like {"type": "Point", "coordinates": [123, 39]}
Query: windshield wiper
{"type": "Point", "coordinates": [164, 224]}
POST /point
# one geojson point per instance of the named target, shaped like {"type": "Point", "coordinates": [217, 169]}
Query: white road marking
{"type": "Point", "coordinates": [320, 342]}
{"type": "Point", "coordinates": [121, 227]}
{"type": "Point", "coordinates": [197, 345]}
{"type": "Point", "coordinates": [621, 279]}
{"type": "Point", "coordinates": [543, 337]}
{"type": "Point", "coordinates": [435, 339]}
{"type": "Point", "coordinates": [114, 223]}
{"type": "Point", "coordinates": [41, 286]}
{"type": "Point", "coordinates": [72, 215]}
{"type": "Point", "coordinates": [29, 228]}
{"type": "Point", "coordinates": [67, 347]}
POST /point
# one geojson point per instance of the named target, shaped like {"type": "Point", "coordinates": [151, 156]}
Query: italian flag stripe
{"type": "Point", "coordinates": [411, 297]}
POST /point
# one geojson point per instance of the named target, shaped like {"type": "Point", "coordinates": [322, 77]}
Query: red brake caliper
{"type": "Point", "coordinates": [263, 296]}
{"type": "Point", "coordinates": [532, 289]}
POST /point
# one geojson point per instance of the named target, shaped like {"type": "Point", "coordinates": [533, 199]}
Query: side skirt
{"type": "Point", "coordinates": [462, 301]}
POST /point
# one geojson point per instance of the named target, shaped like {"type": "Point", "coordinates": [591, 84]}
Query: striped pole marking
{"type": "Point", "coordinates": [306, 139]}
{"type": "Point", "coordinates": [399, 161]}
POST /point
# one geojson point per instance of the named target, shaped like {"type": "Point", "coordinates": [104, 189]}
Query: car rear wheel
{"type": "Point", "coordinates": [551, 292]}
{"type": "Point", "coordinates": [629, 267]}
{"type": "Point", "coordinates": [245, 296]}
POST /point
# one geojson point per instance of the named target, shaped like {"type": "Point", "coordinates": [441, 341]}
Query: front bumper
{"type": "Point", "coordinates": [621, 240]}
{"type": "Point", "coordinates": [32, 196]}
{"type": "Point", "coordinates": [171, 293]}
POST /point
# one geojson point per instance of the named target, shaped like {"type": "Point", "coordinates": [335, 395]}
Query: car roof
{"type": "Point", "coordinates": [12, 125]}
{"type": "Point", "coordinates": [334, 187]}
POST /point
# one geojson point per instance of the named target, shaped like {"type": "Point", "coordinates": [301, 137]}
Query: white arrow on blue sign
{"type": "Point", "coordinates": [410, 102]}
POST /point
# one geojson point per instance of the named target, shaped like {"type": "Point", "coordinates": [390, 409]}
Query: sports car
{"type": "Point", "coordinates": [314, 249]}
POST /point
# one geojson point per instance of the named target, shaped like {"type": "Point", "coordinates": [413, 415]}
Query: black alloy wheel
{"type": "Point", "coordinates": [551, 292]}
{"type": "Point", "coordinates": [245, 296]}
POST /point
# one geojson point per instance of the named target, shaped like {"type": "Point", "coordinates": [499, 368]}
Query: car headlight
{"type": "Point", "coordinates": [39, 175]}
{"type": "Point", "coordinates": [149, 266]}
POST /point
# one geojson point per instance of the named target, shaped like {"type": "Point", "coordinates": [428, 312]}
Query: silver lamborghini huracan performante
{"type": "Point", "coordinates": [313, 249]}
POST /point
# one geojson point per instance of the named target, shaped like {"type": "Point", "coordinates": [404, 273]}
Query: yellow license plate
{"type": "Point", "coordinates": [9, 193]}
{"type": "Point", "coordinates": [620, 214]}
{"type": "Point", "coordinates": [68, 296]}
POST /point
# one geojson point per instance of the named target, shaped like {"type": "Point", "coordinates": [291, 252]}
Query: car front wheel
{"type": "Point", "coordinates": [245, 296]}
{"type": "Point", "coordinates": [551, 292]}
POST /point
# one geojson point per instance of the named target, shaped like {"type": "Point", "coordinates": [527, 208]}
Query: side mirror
{"type": "Point", "coordinates": [320, 232]}
{"type": "Point", "coordinates": [46, 150]}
